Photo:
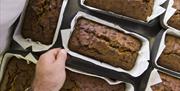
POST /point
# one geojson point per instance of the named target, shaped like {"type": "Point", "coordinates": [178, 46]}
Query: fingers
{"type": "Point", "coordinates": [61, 57]}
{"type": "Point", "coordinates": [50, 56]}
{"type": "Point", "coordinates": [56, 56]}
{"type": "Point", "coordinates": [53, 52]}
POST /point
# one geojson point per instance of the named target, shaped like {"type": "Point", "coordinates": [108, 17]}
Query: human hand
{"type": "Point", "coordinates": [50, 71]}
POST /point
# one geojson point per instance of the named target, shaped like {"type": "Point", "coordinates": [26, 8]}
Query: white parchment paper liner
{"type": "Point", "coordinates": [170, 11]}
{"type": "Point", "coordinates": [162, 47]}
{"type": "Point", "coordinates": [153, 80]}
{"type": "Point", "coordinates": [157, 10]}
{"type": "Point", "coordinates": [37, 46]}
{"type": "Point", "coordinates": [144, 54]}
{"type": "Point", "coordinates": [129, 87]}
{"type": "Point", "coordinates": [29, 58]}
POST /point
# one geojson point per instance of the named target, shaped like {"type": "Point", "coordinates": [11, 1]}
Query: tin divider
{"type": "Point", "coordinates": [142, 81]}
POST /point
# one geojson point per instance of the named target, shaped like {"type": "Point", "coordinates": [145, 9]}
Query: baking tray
{"type": "Point", "coordinates": [149, 31]}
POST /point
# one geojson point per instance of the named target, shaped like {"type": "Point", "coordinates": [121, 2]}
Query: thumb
{"type": "Point", "coordinates": [61, 57]}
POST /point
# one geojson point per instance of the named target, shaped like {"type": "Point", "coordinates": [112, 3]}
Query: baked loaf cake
{"type": "Point", "coordinates": [105, 44]}
{"type": "Point", "coordinates": [18, 75]}
{"type": "Point", "coordinates": [79, 82]}
{"type": "Point", "coordinates": [168, 83]}
{"type": "Point", "coordinates": [137, 9]}
{"type": "Point", "coordinates": [174, 21]}
{"type": "Point", "coordinates": [170, 58]}
{"type": "Point", "coordinates": [41, 19]}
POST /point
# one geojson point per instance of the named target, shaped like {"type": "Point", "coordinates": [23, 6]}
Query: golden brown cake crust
{"type": "Point", "coordinates": [79, 82]}
{"type": "Point", "coordinates": [137, 9]}
{"type": "Point", "coordinates": [168, 83]}
{"type": "Point", "coordinates": [170, 57]}
{"type": "Point", "coordinates": [41, 19]}
{"type": "Point", "coordinates": [174, 21]}
{"type": "Point", "coordinates": [176, 4]}
{"type": "Point", "coordinates": [104, 43]}
{"type": "Point", "coordinates": [18, 75]}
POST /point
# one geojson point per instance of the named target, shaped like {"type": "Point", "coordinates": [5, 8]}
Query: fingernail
{"type": "Point", "coordinates": [63, 51]}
